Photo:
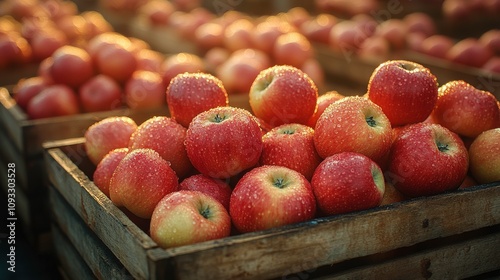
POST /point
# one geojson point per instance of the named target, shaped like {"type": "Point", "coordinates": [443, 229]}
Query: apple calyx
{"type": "Point", "coordinates": [279, 183]}
{"type": "Point", "coordinates": [219, 118]}
{"type": "Point", "coordinates": [371, 122]}
{"type": "Point", "coordinates": [407, 66]}
{"type": "Point", "coordinates": [442, 147]}
{"type": "Point", "coordinates": [205, 212]}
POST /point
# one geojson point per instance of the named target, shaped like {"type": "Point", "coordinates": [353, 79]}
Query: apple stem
{"type": "Point", "coordinates": [279, 183]}
{"type": "Point", "coordinates": [219, 118]}
{"type": "Point", "coordinates": [288, 131]}
{"type": "Point", "coordinates": [371, 122]}
{"type": "Point", "coordinates": [442, 147]}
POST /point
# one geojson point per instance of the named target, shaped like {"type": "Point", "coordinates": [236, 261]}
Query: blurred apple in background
{"type": "Point", "coordinates": [353, 124]}
{"type": "Point", "coordinates": [100, 93]}
{"type": "Point", "coordinates": [141, 180]}
{"type": "Point", "coordinates": [71, 66]}
{"type": "Point", "coordinates": [437, 45]}
{"type": "Point", "coordinates": [149, 60]}
{"type": "Point", "coordinates": [26, 89]}
{"type": "Point", "coordinates": [492, 65]}
{"type": "Point", "coordinates": [427, 159]}
{"type": "Point", "coordinates": [491, 39]}
{"type": "Point", "coordinates": [116, 60]}
{"type": "Point", "coordinates": [157, 12]}
{"type": "Point", "coordinates": [241, 69]}
{"type": "Point", "coordinates": [346, 37]}
{"type": "Point", "coordinates": [189, 94]}
{"type": "Point", "coordinates": [484, 156]}
{"type": "Point", "coordinates": [292, 49]}
{"type": "Point", "coordinates": [209, 35]}
{"type": "Point", "coordinates": [312, 68]}
{"type": "Point", "coordinates": [271, 196]}
{"type": "Point", "coordinates": [187, 217]}
{"type": "Point", "coordinates": [283, 94]}
{"type": "Point", "coordinates": [394, 31]}
{"type": "Point", "coordinates": [238, 34]}
{"type": "Point", "coordinates": [420, 22]}
{"type": "Point", "coordinates": [104, 170]}
{"type": "Point", "coordinates": [324, 100]}
{"type": "Point", "coordinates": [215, 57]}
{"type": "Point", "coordinates": [469, 51]}
{"type": "Point", "coordinates": [223, 141]}
{"type": "Point", "coordinates": [406, 91]}
{"type": "Point", "coordinates": [106, 135]}
{"type": "Point", "coordinates": [144, 89]}
{"type": "Point", "coordinates": [44, 70]}
{"type": "Point", "coordinates": [347, 182]}
{"type": "Point", "coordinates": [375, 48]}
{"type": "Point", "coordinates": [53, 101]}
{"type": "Point", "coordinates": [268, 30]}
{"type": "Point", "coordinates": [317, 28]}
{"type": "Point", "coordinates": [466, 110]}
{"type": "Point", "coordinates": [180, 63]}
{"type": "Point", "coordinates": [218, 189]}
{"type": "Point", "coordinates": [165, 136]}
{"type": "Point", "coordinates": [44, 44]}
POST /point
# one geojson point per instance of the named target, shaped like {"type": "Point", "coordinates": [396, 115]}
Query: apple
{"type": "Point", "coordinates": [437, 45]}
{"type": "Point", "coordinates": [421, 23]}
{"type": "Point", "coordinates": [427, 159]}
{"type": "Point", "coordinates": [492, 65]}
{"type": "Point", "coordinates": [271, 196]}
{"type": "Point", "coordinates": [44, 44]}
{"type": "Point", "coordinates": [312, 68]}
{"type": "Point", "coordinates": [95, 24]}
{"type": "Point", "coordinates": [283, 94]}
{"type": "Point", "coordinates": [71, 66]}
{"type": "Point", "coordinates": [106, 135]}
{"type": "Point", "coordinates": [209, 35]}
{"type": "Point", "coordinates": [297, 16]}
{"type": "Point", "coordinates": [105, 39]}
{"type": "Point", "coordinates": [353, 124]}
{"type": "Point", "coordinates": [53, 101]}
{"type": "Point", "coordinates": [216, 188]}
{"type": "Point", "coordinates": [223, 141]}
{"type": "Point", "coordinates": [391, 195]}
{"type": "Point", "coordinates": [469, 51]}
{"type": "Point", "coordinates": [484, 156]}
{"type": "Point", "coordinates": [73, 26]}
{"type": "Point", "coordinates": [491, 39]}
{"type": "Point", "coordinates": [374, 48]}
{"type": "Point", "coordinates": [317, 28]}
{"type": "Point", "coordinates": [189, 94]}
{"type": "Point", "coordinates": [324, 100]}
{"type": "Point", "coordinates": [188, 217]}
{"type": "Point", "coordinates": [140, 181]}
{"type": "Point", "coordinates": [414, 41]}
{"type": "Point", "coordinates": [346, 36]}
{"type": "Point", "coordinates": [116, 60]}
{"type": "Point", "coordinates": [347, 182]}
{"type": "Point", "coordinates": [406, 91]}
{"type": "Point", "coordinates": [292, 49]}
{"type": "Point", "coordinates": [393, 30]}
{"type": "Point", "coordinates": [149, 60]}
{"type": "Point", "coordinates": [241, 68]}
{"type": "Point", "coordinates": [157, 12]}
{"type": "Point", "coordinates": [238, 34]}
{"type": "Point", "coordinates": [144, 89]}
{"type": "Point", "coordinates": [100, 93]}
{"type": "Point", "coordinates": [215, 57]}
{"type": "Point", "coordinates": [104, 170]}
{"type": "Point", "coordinates": [468, 181]}
{"type": "Point", "coordinates": [165, 136]}
{"type": "Point", "coordinates": [44, 70]}
{"type": "Point", "coordinates": [466, 110]}
{"type": "Point", "coordinates": [180, 63]}
{"type": "Point", "coordinates": [26, 89]}
{"type": "Point", "coordinates": [292, 146]}
{"type": "Point", "coordinates": [267, 31]}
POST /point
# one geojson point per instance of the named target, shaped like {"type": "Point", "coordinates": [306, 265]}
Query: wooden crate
{"type": "Point", "coordinates": [452, 235]}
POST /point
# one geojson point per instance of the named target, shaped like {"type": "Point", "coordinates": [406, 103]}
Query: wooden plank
{"type": "Point", "coordinates": [13, 74]}
{"type": "Point", "coordinates": [96, 255]}
{"type": "Point", "coordinates": [70, 261]}
{"type": "Point", "coordinates": [472, 257]}
{"type": "Point", "coordinates": [334, 239]}
{"type": "Point", "coordinates": [110, 224]}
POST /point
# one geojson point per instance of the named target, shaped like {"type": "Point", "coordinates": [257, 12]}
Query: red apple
{"type": "Point", "coordinates": [492, 65]}
{"type": "Point", "coordinates": [469, 51]}
{"type": "Point", "coordinates": [53, 101]}
{"type": "Point", "coordinates": [44, 44]}
{"type": "Point", "coordinates": [283, 94]}
{"type": "Point", "coordinates": [166, 137]}
{"type": "Point", "coordinates": [406, 91]}
{"type": "Point", "coordinates": [95, 24]}
{"type": "Point", "coordinates": [420, 22]}
{"type": "Point", "coordinates": [157, 12]}
{"type": "Point", "coordinates": [145, 89]}
{"type": "Point", "coordinates": [484, 156]}
{"type": "Point", "coordinates": [324, 100]}
{"type": "Point", "coordinates": [209, 35]}
{"type": "Point", "coordinates": [44, 70]}
{"type": "Point", "coordinates": [26, 89]}
{"type": "Point", "coordinates": [393, 30]}
{"type": "Point", "coordinates": [317, 28]}
{"type": "Point", "coordinates": [491, 39]}
{"type": "Point", "coordinates": [116, 60]}
{"type": "Point", "coordinates": [180, 63]}
{"type": "Point", "coordinates": [427, 159]}
{"type": "Point", "coordinates": [292, 49]}
{"type": "Point", "coordinates": [437, 45]}
{"type": "Point", "coordinates": [466, 110]}
{"type": "Point", "coordinates": [71, 66]}
{"type": "Point", "coordinates": [347, 182]}
{"type": "Point", "coordinates": [292, 146]}
{"type": "Point", "coordinates": [391, 195]}
{"type": "Point", "coordinates": [312, 68]}
{"type": "Point", "coordinates": [140, 181]}
{"type": "Point", "coordinates": [271, 196]}
{"type": "Point", "coordinates": [267, 31]}
{"type": "Point", "coordinates": [104, 170]}
{"type": "Point", "coordinates": [149, 60]}
{"type": "Point", "coordinates": [238, 34]}
{"type": "Point", "coordinates": [239, 71]}
{"type": "Point", "coordinates": [374, 48]}
{"type": "Point", "coordinates": [106, 135]}
{"type": "Point", "coordinates": [223, 141]}
{"type": "Point", "coordinates": [346, 36]}
{"type": "Point", "coordinates": [353, 124]}
{"type": "Point", "coordinates": [188, 217]}
{"type": "Point", "coordinates": [218, 189]}
{"type": "Point", "coordinates": [189, 94]}
{"type": "Point", "coordinates": [100, 93]}
{"type": "Point", "coordinates": [215, 57]}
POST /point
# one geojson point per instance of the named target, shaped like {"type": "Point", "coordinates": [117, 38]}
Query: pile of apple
{"type": "Point", "coordinates": [210, 170]}
{"type": "Point", "coordinates": [31, 30]}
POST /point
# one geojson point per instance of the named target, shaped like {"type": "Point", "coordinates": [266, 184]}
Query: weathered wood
{"type": "Point", "coordinates": [96, 255]}
{"type": "Point", "coordinates": [467, 258]}
{"type": "Point", "coordinates": [13, 74]}
{"type": "Point", "coordinates": [280, 251]}
{"type": "Point", "coordinates": [72, 264]}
